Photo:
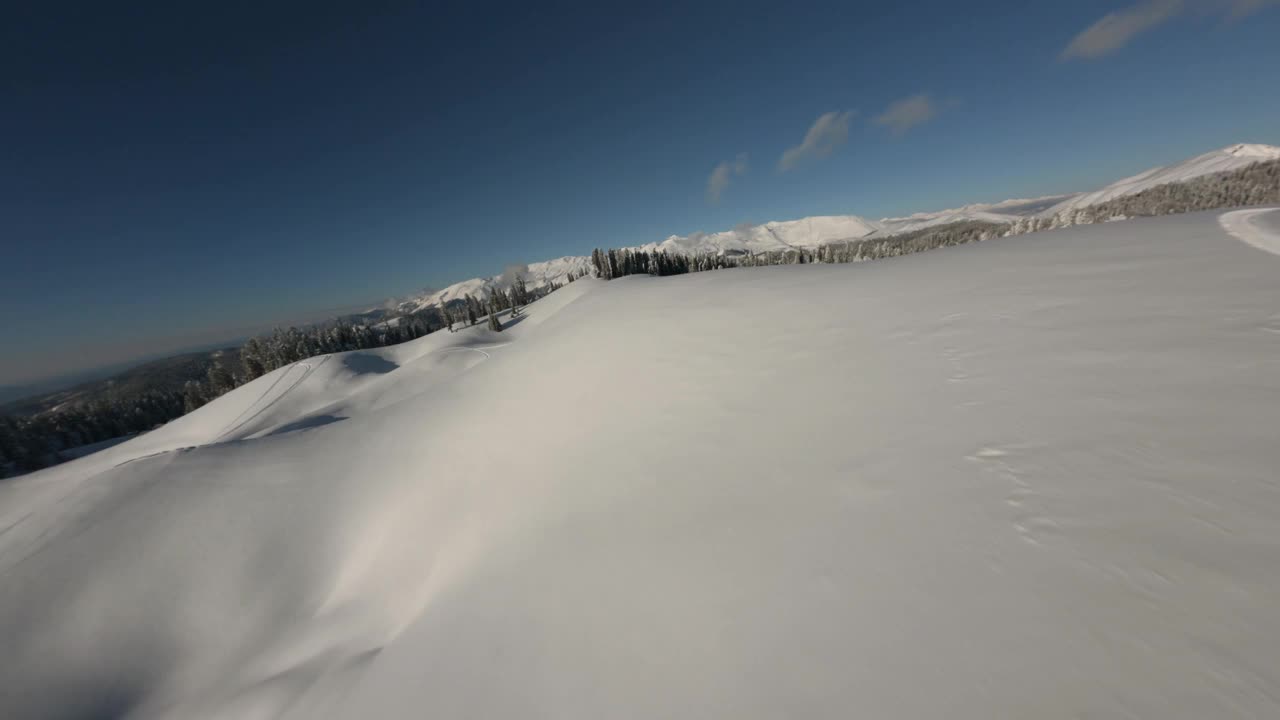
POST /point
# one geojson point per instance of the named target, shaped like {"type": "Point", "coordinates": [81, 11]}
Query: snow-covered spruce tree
{"type": "Point", "coordinates": [518, 296]}
{"type": "Point", "coordinates": [473, 309]}
{"type": "Point", "coordinates": [251, 359]}
{"type": "Point", "coordinates": [614, 266]}
{"type": "Point", "coordinates": [219, 379]}
{"type": "Point", "coordinates": [494, 325]}
{"type": "Point", "coordinates": [193, 396]}
{"type": "Point", "coordinates": [519, 292]}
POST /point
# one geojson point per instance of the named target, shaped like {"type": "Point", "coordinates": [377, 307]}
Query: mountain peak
{"type": "Point", "coordinates": [1266, 152]}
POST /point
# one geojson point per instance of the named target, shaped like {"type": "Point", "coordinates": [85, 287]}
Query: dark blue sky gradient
{"type": "Point", "coordinates": [173, 173]}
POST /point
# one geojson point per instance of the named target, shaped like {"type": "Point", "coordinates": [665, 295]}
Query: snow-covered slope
{"type": "Point", "coordinates": [1032, 477]}
{"type": "Point", "coordinates": [1232, 157]}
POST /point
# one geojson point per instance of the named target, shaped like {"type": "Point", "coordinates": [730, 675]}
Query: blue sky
{"type": "Point", "coordinates": [173, 175]}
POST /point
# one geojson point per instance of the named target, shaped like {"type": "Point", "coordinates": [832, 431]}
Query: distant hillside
{"type": "Point", "coordinates": [53, 427]}
{"type": "Point", "coordinates": [166, 375]}
{"type": "Point", "coordinates": [40, 430]}
{"type": "Point", "coordinates": [1204, 174]}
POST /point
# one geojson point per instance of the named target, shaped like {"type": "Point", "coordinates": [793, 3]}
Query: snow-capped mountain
{"type": "Point", "coordinates": [1232, 157]}
{"type": "Point", "coordinates": [536, 275]}
{"type": "Point", "coordinates": [1005, 211]}
{"type": "Point", "coordinates": [1229, 158]}
{"type": "Point", "coordinates": [778, 235]}
{"type": "Point", "coordinates": [812, 232]}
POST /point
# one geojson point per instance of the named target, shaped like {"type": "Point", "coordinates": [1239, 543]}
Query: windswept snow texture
{"type": "Point", "coordinates": [1031, 477]}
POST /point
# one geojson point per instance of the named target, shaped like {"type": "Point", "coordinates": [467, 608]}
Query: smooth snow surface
{"type": "Point", "coordinates": [1032, 477]}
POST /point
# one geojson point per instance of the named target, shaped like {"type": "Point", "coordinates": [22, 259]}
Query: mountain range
{"type": "Point", "coordinates": [812, 232]}
{"type": "Point", "coordinates": [1009, 217]}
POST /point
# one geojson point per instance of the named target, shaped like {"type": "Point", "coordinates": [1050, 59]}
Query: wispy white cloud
{"type": "Point", "coordinates": [720, 178]}
{"type": "Point", "coordinates": [828, 132]}
{"type": "Point", "coordinates": [904, 114]}
{"type": "Point", "coordinates": [1116, 29]}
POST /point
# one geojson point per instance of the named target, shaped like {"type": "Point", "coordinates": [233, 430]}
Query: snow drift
{"type": "Point", "coordinates": [1032, 477]}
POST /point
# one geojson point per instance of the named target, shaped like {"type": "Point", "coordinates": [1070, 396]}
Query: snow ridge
{"type": "Point", "coordinates": [1232, 157]}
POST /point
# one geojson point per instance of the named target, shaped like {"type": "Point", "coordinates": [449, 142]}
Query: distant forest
{"type": "Point", "coordinates": [1257, 184]}
{"type": "Point", "coordinates": [616, 263]}
{"type": "Point", "coordinates": [39, 433]}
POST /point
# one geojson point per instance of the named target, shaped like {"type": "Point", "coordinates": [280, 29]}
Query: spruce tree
{"type": "Point", "coordinates": [220, 381]}
{"type": "Point", "coordinates": [472, 315]}
{"type": "Point", "coordinates": [494, 325]}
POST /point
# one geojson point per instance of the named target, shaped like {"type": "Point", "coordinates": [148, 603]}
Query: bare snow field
{"type": "Point", "coordinates": [1031, 477]}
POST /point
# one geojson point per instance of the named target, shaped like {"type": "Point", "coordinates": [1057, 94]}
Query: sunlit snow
{"type": "Point", "coordinates": [1030, 477]}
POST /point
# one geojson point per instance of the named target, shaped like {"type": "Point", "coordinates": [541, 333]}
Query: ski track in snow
{"type": "Point", "coordinates": [1243, 225]}
{"type": "Point", "coordinates": [268, 399]}
{"type": "Point", "coordinates": [465, 348]}
{"type": "Point", "coordinates": [307, 367]}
